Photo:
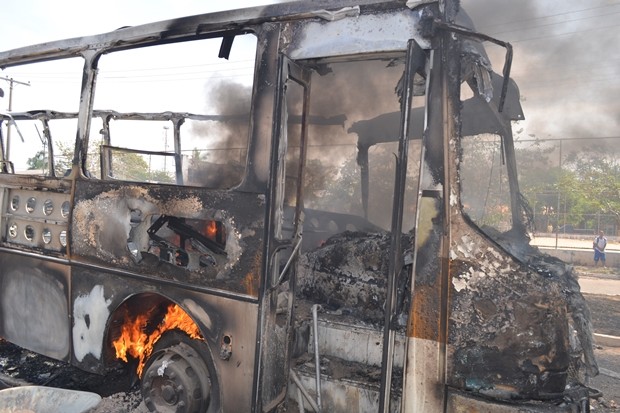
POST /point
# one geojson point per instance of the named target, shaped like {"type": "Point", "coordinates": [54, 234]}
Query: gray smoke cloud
{"type": "Point", "coordinates": [565, 62]}
{"type": "Point", "coordinates": [232, 103]}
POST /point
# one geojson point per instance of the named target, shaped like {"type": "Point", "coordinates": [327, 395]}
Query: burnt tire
{"type": "Point", "coordinates": [176, 378]}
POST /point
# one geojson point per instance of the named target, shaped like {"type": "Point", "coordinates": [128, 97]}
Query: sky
{"type": "Point", "coordinates": [36, 21]}
{"type": "Point", "coordinates": [565, 62]}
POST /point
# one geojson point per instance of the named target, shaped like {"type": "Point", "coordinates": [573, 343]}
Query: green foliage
{"type": "Point", "coordinates": [586, 185]}
{"type": "Point", "coordinates": [317, 177]}
{"type": "Point", "coordinates": [63, 157]}
{"type": "Point", "coordinates": [162, 176]}
{"type": "Point", "coordinates": [129, 166]}
{"type": "Point", "coordinates": [538, 172]}
{"type": "Point", "coordinates": [592, 186]}
{"type": "Point", "coordinates": [38, 161]}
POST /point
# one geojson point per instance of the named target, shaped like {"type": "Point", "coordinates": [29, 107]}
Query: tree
{"type": "Point", "coordinates": [539, 173]}
{"type": "Point", "coordinates": [63, 158]}
{"type": "Point", "coordinates": [161, 176]}
{"type": "Point", "coordinates": [130, 166]}
{"type": "Point", "coordinates": [592, 185]}
{"type": "Point", "coordinates": [38, 161]}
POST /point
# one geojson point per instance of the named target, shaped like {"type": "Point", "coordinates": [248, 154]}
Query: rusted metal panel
{"type": "Point", "coordinates": [36, 182]}
{"type": "Point", "coordinates": [34, 291]}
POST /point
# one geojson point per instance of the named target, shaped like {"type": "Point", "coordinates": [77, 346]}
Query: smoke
{"type": "Point", "coordinates": [221, 147]}
{"type": "Point", "coordinates": [230, 106]}
{"type": "Point", "coordinates": [565, 62]}
{"type": "Point", "coordinates": [364, 92]}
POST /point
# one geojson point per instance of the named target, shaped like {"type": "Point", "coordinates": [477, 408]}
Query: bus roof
{"type": "Point", "coordinates": [203, 26]}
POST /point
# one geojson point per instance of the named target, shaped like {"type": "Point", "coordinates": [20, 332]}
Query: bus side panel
{"type": "Point", "coordinates": [228, 325]}
{"type": "Point", "coordinates": [163, 232]}
{"type": "Point", "coordinates": [34, 312]}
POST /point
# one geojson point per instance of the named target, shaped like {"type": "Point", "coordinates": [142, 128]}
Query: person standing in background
{"type": "Point", "coordinates": [599, 244]}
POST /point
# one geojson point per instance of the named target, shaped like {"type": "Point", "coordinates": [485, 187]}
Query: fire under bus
{"type": "Point", "coordinates": [278, 209]}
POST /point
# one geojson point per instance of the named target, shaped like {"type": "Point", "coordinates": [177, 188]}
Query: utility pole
{"type": "Point", "coordinates": [8, 126]}
{"type": "Point", "coordinates": [165, 146]}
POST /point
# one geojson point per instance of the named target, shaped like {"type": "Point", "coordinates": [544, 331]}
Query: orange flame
{"type": "Point", "coordinates": [139, 345]}
{"type": "Point", "coordinates": [211, 229]}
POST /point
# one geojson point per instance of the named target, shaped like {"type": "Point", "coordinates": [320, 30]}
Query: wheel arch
{"type": "Point", "coordinates": [154, 306]}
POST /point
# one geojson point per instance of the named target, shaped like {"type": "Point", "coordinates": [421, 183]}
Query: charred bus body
{"type": "Point", "coordinates": [311, 212]}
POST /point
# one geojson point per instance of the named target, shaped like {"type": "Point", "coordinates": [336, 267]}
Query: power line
{"type": "Point", "coordinates": [613, 26]}
{"type": "Point", "coordinates": [551, 24]}
{"type": "Point", "coordinates": [166, 75]}
{"type": "Point", "coordinates": [551, 16]}
{"type": "Point", "coordinates": [8, 128]}
{"type": "Point", "coordinates": [248, 62]}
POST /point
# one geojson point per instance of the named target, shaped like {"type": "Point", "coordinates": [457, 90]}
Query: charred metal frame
{"type": "Point", "coordinates": [459, 244]}
{"type": "Point", "coordinates": [518, 208]}
{"type": "Point", "coordinates": [415, 63]}
{"type": "Point", "coordinates": [92, 279]}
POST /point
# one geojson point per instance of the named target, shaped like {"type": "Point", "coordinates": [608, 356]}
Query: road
{"type": "Point", "coordinates": [607, 350]}
{"type": "Point", "coordinates": [549, 240]}
{"type": "Point", "coordinates": [603, 286]}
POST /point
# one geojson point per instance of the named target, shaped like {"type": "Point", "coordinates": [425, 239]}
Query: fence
{"type": "Point", "coordinates": [578, 174]}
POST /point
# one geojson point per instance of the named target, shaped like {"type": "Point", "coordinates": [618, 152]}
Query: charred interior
{"type": "Point", "coordinates": [323, 198]}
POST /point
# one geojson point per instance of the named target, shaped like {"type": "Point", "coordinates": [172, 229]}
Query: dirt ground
{"type": "Point", "coordinates": [605, 313]}
{"type": "Point", "coordinates": [608, 381]}
{"type": "Point", "coordinates": [119, 389]}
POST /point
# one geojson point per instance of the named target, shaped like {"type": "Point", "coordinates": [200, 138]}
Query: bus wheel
{"type": "Point", "coordinates": [176, 379]}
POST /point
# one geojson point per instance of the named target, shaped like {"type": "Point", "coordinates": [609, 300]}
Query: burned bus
{"type": "Point", "coordinates": [263, 208]}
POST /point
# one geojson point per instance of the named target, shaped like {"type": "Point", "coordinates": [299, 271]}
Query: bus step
{"type": "Point", "coordinates": [346, 387]}
{"type": "Point", "coordinates": [350, 339]}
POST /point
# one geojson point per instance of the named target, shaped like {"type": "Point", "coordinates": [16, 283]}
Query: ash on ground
{"type": "Point", "coordinates": [120, 391]}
